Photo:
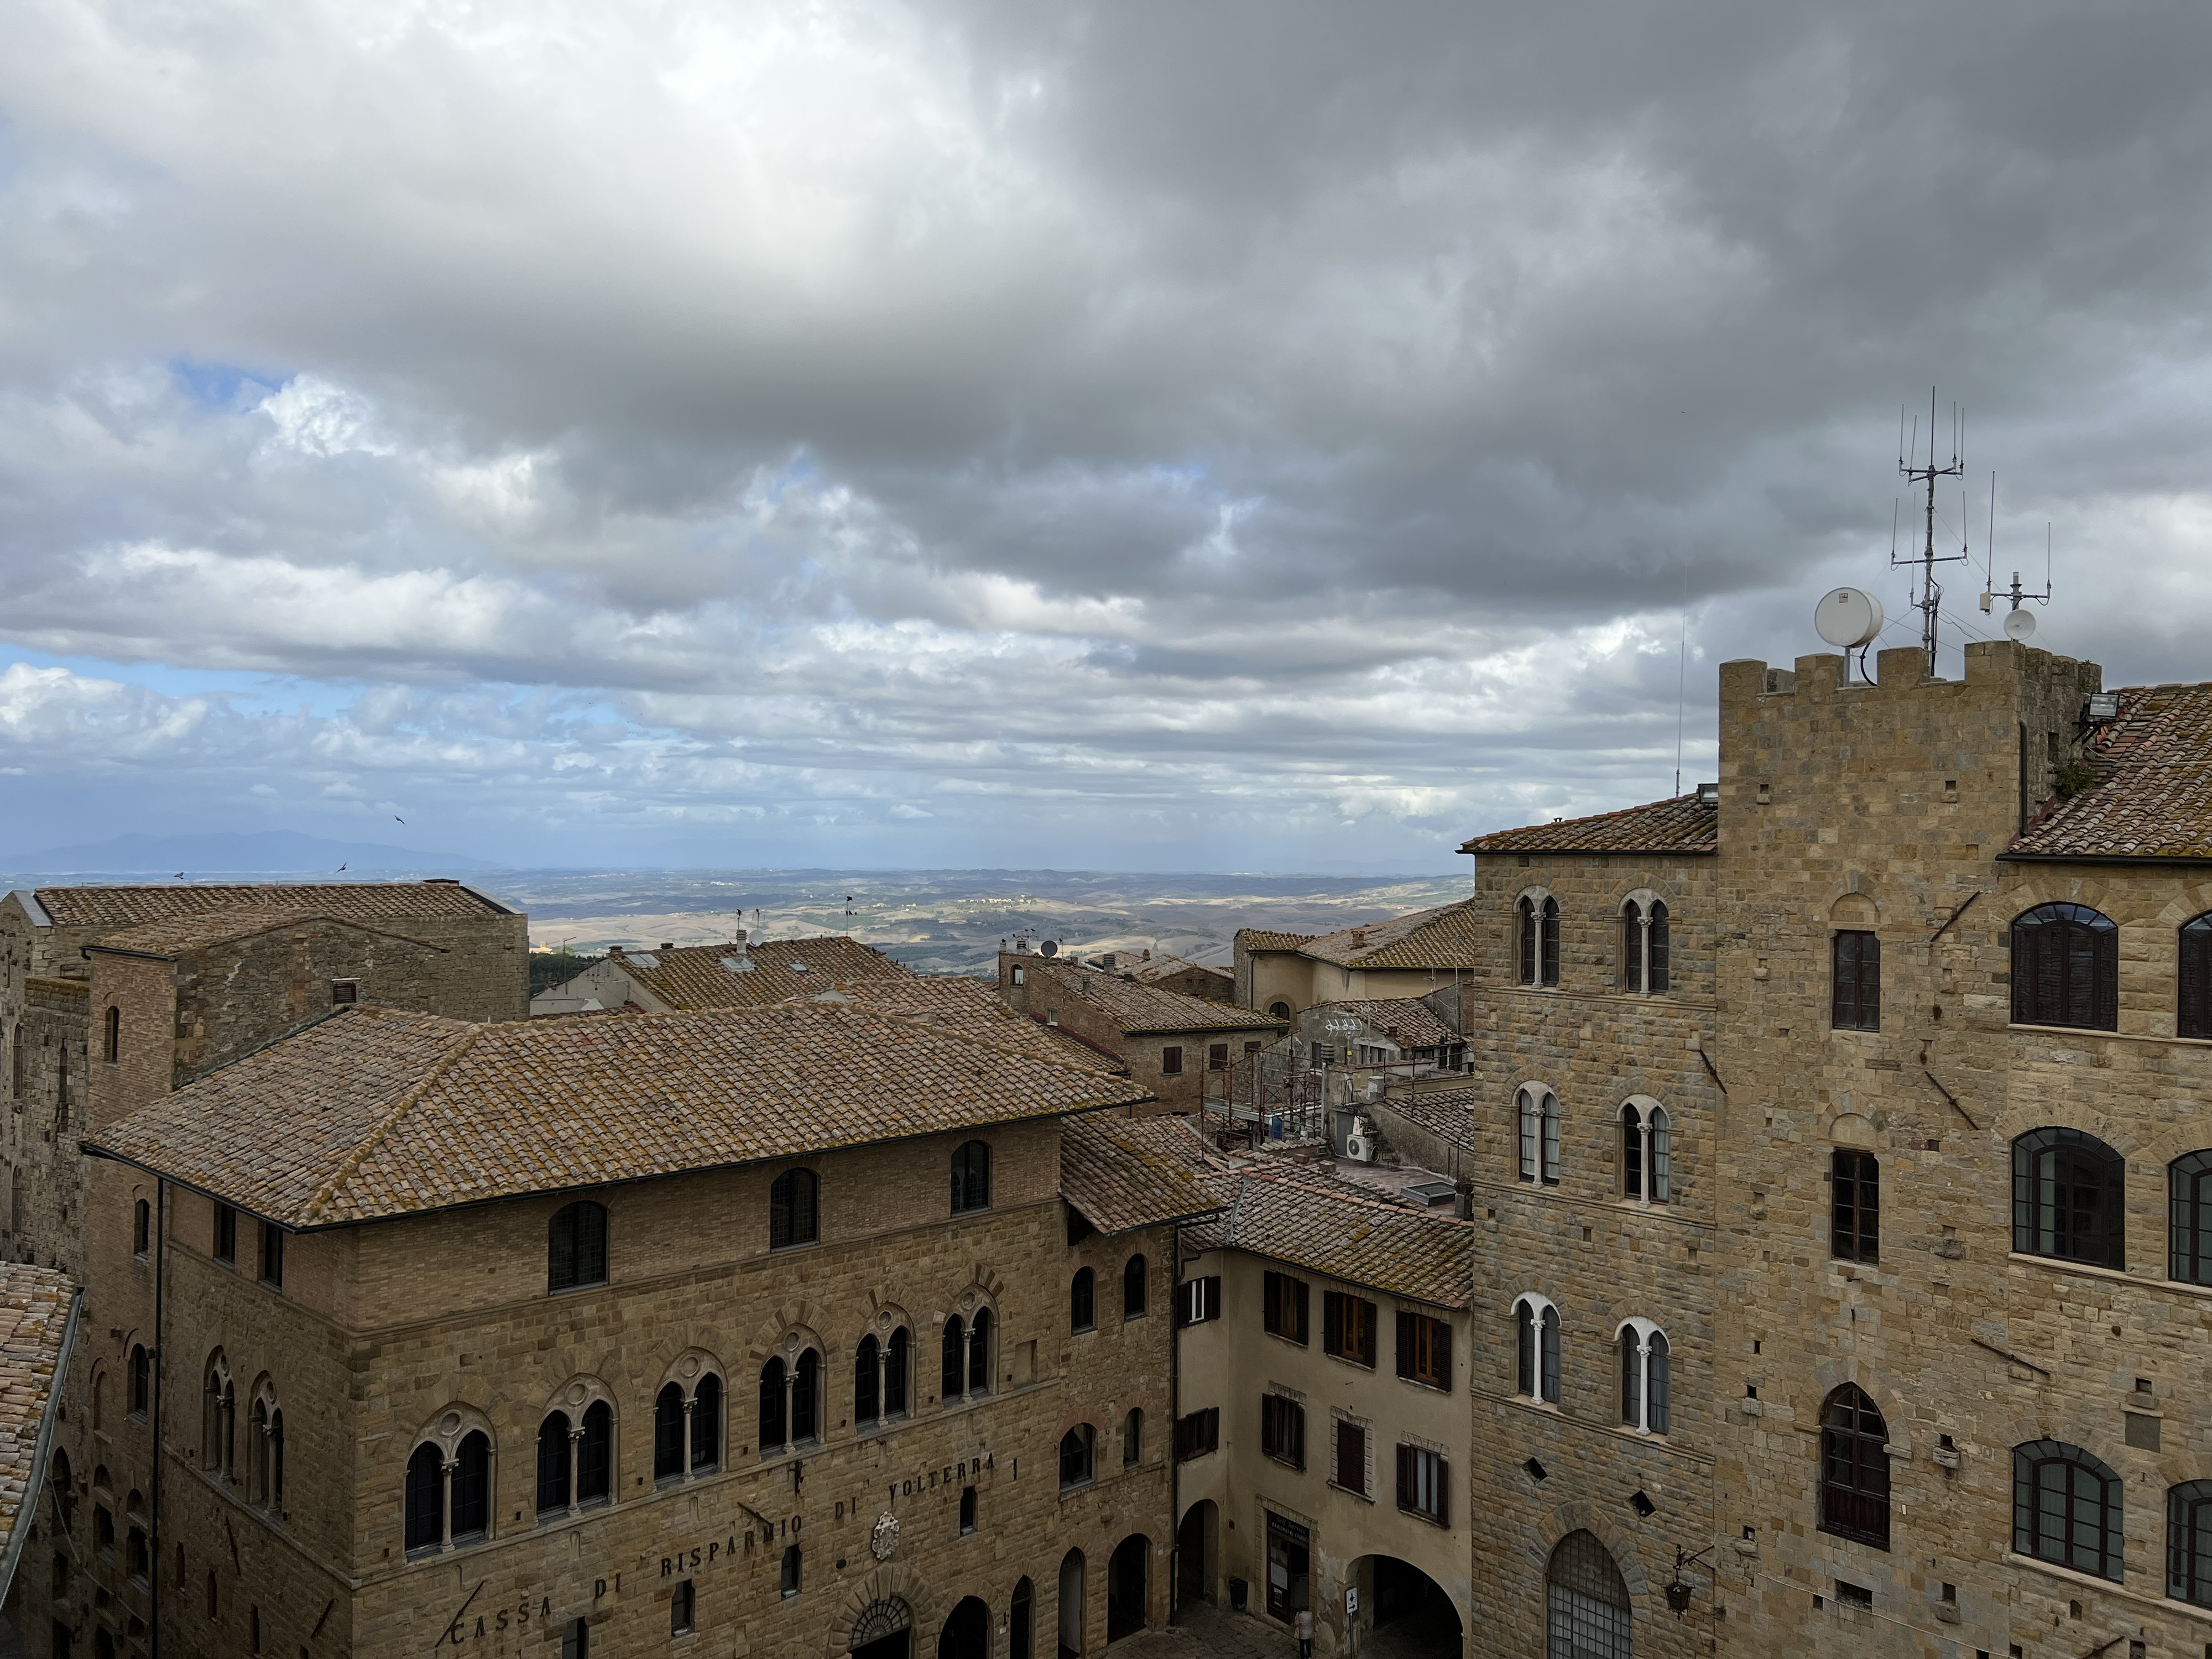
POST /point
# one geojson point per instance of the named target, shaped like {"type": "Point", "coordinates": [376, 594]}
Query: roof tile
{"type": "Point", "coordinates": [2153, 794]}
{"type": "Point", "coordinates": [1681, 824]}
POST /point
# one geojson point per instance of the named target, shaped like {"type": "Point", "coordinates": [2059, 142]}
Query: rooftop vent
{"type": "Point", "coordinates": [800, 967]}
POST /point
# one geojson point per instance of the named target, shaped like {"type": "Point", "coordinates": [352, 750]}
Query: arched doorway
{"type": "Point", "coordinates": [1587, 1602]}
{"type": "Point", "coordinates": [884, 1630]}
{"type": "Point", "coordinates": [966, 1633]}
{"type": "Point", "coordinates": [1197, 1539]}
{"type": "Point", "coordinates": [1405, 1614]}
{"type": "Point", "coordinates": [1129, 1584]}
{"type": "Point", "coordinates": [1071, 1605]}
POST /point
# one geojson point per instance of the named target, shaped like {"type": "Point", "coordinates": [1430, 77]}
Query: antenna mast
{"type": "Point", "coordinates": [1929, 601]}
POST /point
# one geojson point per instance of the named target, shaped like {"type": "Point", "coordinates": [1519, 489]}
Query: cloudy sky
{"type": "Point", "coordinates": [1134, 434]}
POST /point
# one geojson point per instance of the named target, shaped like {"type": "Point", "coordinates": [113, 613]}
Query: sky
{"type": "Point", "coordinates": [1135, 435]}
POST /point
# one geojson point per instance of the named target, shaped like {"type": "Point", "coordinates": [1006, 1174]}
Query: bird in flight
{"type": "Point", "coordinates": [341, 869]}
{"type": "Point", "coordinates": [180, 875]}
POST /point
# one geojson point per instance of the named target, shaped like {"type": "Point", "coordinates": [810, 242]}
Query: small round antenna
{"type": "Point", "coordinates": [2019, 625]}
{"type": "Point", "coordinates": [1050, 948]}
{"type": "Point", "coordinates": [1848, 617]}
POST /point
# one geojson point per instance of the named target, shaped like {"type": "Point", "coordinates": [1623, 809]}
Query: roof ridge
{"type": "Point", "coordinates": [917, 1023]}
{"type": "Point", "coordinates": [1350, 1193]}
{"type": "Point", "coordinates": [369, 1143]}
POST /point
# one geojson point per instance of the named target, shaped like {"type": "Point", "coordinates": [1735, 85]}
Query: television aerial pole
{"type": "Point", "coordinates": [1929, 600]}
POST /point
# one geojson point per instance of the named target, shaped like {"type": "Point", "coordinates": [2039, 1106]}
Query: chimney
{"type": "Point", "coordinates": [1464, 1199]}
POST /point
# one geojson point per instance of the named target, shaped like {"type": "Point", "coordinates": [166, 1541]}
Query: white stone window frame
{"type": "Point", "coordinates": [572, 1399]}
{"type": "Point", "coordinates": [1537, 896]}
{"type": "Point", "coordinates": [1539, 1121]}
{"type": "Point", "coordinates": [791, 1345]}
{"type": "Point", "coordinates": [890, 1319]}
{"type": "Point", "coordinates": [1641, 902]}
{"type": "Point", "coordinates": [445, 1430]}
{"type": "Point", "coordinates": [1655, 1130]}
{"type": "Point", "coordinates": [971, 1303]}
{"type": "Point", "coordinates": [218, 1421]}
{"type": "Point", "coordinates": [1645, 1330]}
{"type": "Point", "coordinates": [260, 1448]}
{"type": "Point", "coordinates": [1541, 1307]}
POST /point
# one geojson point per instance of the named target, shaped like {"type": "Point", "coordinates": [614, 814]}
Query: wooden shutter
{"type": "Point", "coordinates": [1440, 1334]}
{"type": "Point", "coordinates": [1302, 1296]}
{"type": "Point", "coordinates": [1656, 973]}
{"type": "Point", "coordinates": [1332, 1321]}
{"type": "Point", "coordinates": [1405, 1477]}
{"type": "Point", "coordinates": [1408, 1336]}
{"type": "Point", "coordinates": [1442, 1512]}
{"type": "Point", "coordinates": [1351, 1457]}
{"type": "Point", "coordinates": [2190, 1020]}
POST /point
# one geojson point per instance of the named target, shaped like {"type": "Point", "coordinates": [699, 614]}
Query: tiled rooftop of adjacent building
{"type": "Point", "coordinates": [957, 1003]}
{"type": "Point", "coordinates": [372, 1114]}
{"type": "Point", "coordinates": [357, 901]}
{"type": "Point", "coordinates": [1407, 1021]}
{"type": "Point", "coordinates": [1444, 937]}
{"type": "Point", "coordinates": [178, 934]}
{"type": "Point", "coordinates": [1270, 939]}
{"type": "Point", "coordinates": [1121, 1173]}
{"type": "Point", "coordinates": [1138, 1007]}
{"type": "Point", "coordinates": [1681, 824]}
{"type": "Point", "coordinates": [2153, 794]}
{"type": "Point", "coordinates": [1297, 1215]}
{"type": "Point", "coordinates": [752, 975]}
{"type": "Point", "coordinates": [36, 1307]}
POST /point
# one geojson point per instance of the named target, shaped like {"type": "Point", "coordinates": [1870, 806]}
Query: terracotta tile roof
{"type": "Point", "coordinates": [1296, 1215]}
{"type": "Point", "coordinates": [2153, 794]}
{"type": "Point", "coordinates": [1680, 824]}
{"type": "Point", "coordinates": [1124, 1173]}
{"type": "Point", "coordinates": [958, 1003]}
{"type": "Point", "coordinates": [1445, 937]}
{"type": "Point", "coordinates": [38, 1326]}
{"type": "Point", "coordinates": [357, 901]}
{"type": "Point", "coordinates": [1161, 968]}
{"type": "Point", "coordinates": [698, 976]}
{"type": "Point", "coordinates": [183, 933]}
{"type": "Point", "coordinates": [1415, 1023]}
{"type": "Point", "coordinates": [1269, 938]}
{"type": "Point", "coordinates": [1448, 1113]}
{"type": "Point", "coordinates": [372, 1113]}
{"type": "Point", "coordinates": [1135, 1006]}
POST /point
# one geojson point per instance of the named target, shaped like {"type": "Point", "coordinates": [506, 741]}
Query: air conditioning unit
{"type": "Point", "coordinates": [1359, 1142]}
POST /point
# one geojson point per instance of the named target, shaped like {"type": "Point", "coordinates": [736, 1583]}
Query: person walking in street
{"type": "Point", "coordinates": [1303, 1625]}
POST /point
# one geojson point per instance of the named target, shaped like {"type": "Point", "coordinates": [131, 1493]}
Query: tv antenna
{"type": "Point", "coordinates": [1929, 600]}
{"type": "Point", "coordinates": [2020, 622]}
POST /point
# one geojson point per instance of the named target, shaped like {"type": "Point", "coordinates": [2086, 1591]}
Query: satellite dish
{"type": "Point", "coordinates": [2019, 625]}
{"type": "Point", "coordinates": [1048, 949]}
{"type": "Point", "coordinates": [1849, 617]}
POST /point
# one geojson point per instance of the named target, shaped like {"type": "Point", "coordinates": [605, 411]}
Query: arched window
{"type": "Point", "coordinates": [1278, 1010]}
{"type": "Point", "coordinates": [1539, 939]}
{"type": "Point", "coordinates": [897, 1359]}
{"type": "Point", "coordinates": [142, 1227]}
{"type": "Point", "coordinates": [219, 1422]}
{"type": "Point", "coordinates": [1659, 1155]}
{"type": "Point", "coordinates": [790, 1577]}
{"type": "Point", "coordinates": [1643, 1154]}
{"type": "Point", "coordinates": [2066, 968]}
{"type": "Point", "coordinates": [1536, 1330]}
{"type": "Point", "coordinates": [953, 1379]}
{"type": "Point", "coordinates": [806, 1397]}
{"type": "Point", "coordinates": [867, 1381]}
{"type": "Point", "coordinates": [1646, 1390]}
{"type": "Point", "coordinates": [979, 1353]}
{"type": "Point", "coordinates": [1133, 1438]}
{"type": "Point", "coordinates": [2066, 1507]}
{"type": "Point", "coordinates": [1076, 1448]}
{"type": "Point", "coordinates": [774, 1398]}
{"type": "Point", "coordinates": [2192, 1014]}
{"type": "Point", "coordinates": [555, 1482]}
{"type": "Point", "coordinates": [1587, 1605]}
{"type": "Point", "coordinates": [141, 1380]}
{"type": "Point", "coordinates": [794, 1209]}
{"type": "Point", "coordinates": [2189, 1542]}
{"type": "Point", "coordinates": [1631, 1153]}
{"type": "Point", "coordinates": [576, 1246]}
{"type": "Point", "coordinates": [1082, 1315]}
{"type": "Point", "coordinates": [1540, 1135]}
{"type": "Point", "coordinates": [1134, 1288]}
{"type": "Point", "coordinates": [706, 1418]}
{"type": "Point", "coordinates": [668, 1422]}
{"type": "Point", "coordinates": [111, 1040]}
{"type": "Point", "coordinates": [62, 1483]}
{"type": "Point", "coordinates": [1643, 947]}
{"type": "Point", "coordinates": [2068, 1198]}
{"type": "Point", "coordinates": [425, 1498]}
{"type": "Point", "coordinates": [257, 1452]}
{"type": "Point", "coordinates": [2189, 1229]}
{"type": "Point", "coordinates": [790, 1402]}
{"type": "Point", "coordinates": [471, 1498]}
{"type": "Point", "coordinates": [1021, 1621]}
{"type": "Point", "coordinates": [276, 1461]}
{"type": "Point", "coordinates": [971, 1177]}
{"type": "Point", "coordinates": [595, 1455]}
{"type": "Point", "coordinates": [1854, 1467]}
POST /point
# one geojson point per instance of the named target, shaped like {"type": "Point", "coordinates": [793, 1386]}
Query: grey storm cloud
{"type": "Point", "coordinates": [1274, 427]}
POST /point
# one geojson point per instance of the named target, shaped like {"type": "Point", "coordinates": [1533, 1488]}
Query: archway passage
{"type": "Point", "coordinates": [1411, 1616]}
{"type": "Point", "coordinates": [884, 1630]}
{"type": "Point", "coordinates": [966, 1633]}
{"type": "Point", "coordinates": [1071, 1605]}
{"type": "Point", "coordinates": [1194, 1547]}
{"type": "Point", "coordinates": [1128, 1582]}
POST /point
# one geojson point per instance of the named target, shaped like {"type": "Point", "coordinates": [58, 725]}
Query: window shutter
{"type": "Point", "coordinates": [1332, 1321]}
{"type": "Point", "coordinates": [1657, 973]}
{"type": "Point", "coordinates": [1302, 1296]}
{"type": "Point", "coordinates": [1407, 1338]}
{"type": "Point", "coordinates": [1527, 942]}
{"type": "Point", "coordinates": [1213, 1296]}
{"type": "Point", "coordinates": [1843, 1005]}
{"type": "Point", "coordinates": [1442, 1332]}
{"type": "Point", "coordinates": [1405, 1477]}
{"type": "Point", "coordinates": [2190, 1020]}
{"type": "Point", "coordinates": [1632, 950]}
{"type": "Point", "coordinates": [1551, 941]}
{"type": "Point", "coordinates": [1294, 1438]}
{"type": "Point", "coordinates": [1443, 1492]}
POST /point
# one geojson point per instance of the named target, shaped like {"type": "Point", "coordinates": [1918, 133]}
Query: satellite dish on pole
{"type": "Point", "coordinates": [1048, 949]}
{"type": "Point", "coordinates": [1849, 617]}
{"type": "Point", "coordinates": [2019, 625]}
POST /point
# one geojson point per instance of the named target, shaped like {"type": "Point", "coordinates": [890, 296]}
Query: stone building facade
{"type": "Point", "coordinates": [1408, 955]}
{"type": "Point", "coordinates": [592, 1335]}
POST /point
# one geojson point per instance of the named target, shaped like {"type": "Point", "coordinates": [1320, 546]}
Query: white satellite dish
{"type": "Point", "coordinates": [1849, 617]}
{"type": "Point", "coordinates": [2019, 625]}
{"type": "Point", "coordinates": [1048, 949]}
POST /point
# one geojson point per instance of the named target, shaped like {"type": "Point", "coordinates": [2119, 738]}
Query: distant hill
{"type": "Point", "coordinates": [285, 851]}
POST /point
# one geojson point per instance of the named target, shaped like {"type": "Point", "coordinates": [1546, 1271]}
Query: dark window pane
{"type": "Point", "coordinates": [472, 1488]}
{"type": "Point", "coordinates": [668, 1422]}
{"type": "Point", "coordinates": [707, 1423]}
{"type": "Point", "coordinates": [426, 1498]}
{"type": "Point", "coordinates": [553, 1462]}
{"type": "Point", "coordinates": [595, 1454]}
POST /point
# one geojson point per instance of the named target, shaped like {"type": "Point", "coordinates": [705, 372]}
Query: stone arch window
{"type": "Point", "coordinates": [218, 1421]}
{"type": "Point", "coordinates": [882, 1374]}
{"type": "Point", "coordinates": [794, 1210]}
{"type": "Point", "coordinates": [2189, 1542]}
{"type": "Point", "coordinates": [142, 1227]}
{"type": "Point", "coordinates": [687, 1420]}
{"type": "Point", "coordinates": [62, 1485]}
{"type": "Point", "coordinates": [15, 1063]}
{"type": "Point", "coordinates": [2068, 1198]}
{"type": "Point", "coordinates": [1538, 914]}
{"type": "Point", "coordinates": [965, 1367]}
{"type": "Point", "coordinates": [1077, 1454]}
{"type": "Point", "coordinates": [141, 1380]}
{"type": "Point", "coordinates": [1278, 1010]}
{"type": "Point", "coordinates": [1586, 1601]}
{"type": "Point", "coordinates": [576, 1246]}
{"type": "Point", "coordinates": [110, 1041]}
{"type": "Point", "coordinates": [2066, 1507]}
{"type": "Point", "coordinates": [971, 1177]}
{"type": "Point", "coordinates": [1644, 945]}
{"type": "Point", "coordinates": [1082, 1301]}
{"type": "Point", "coordinates": [1134, 1287]}
{"type": "Point", "coordinates": [790, 1577]}
{"type": "Point", "coordinates": [1133, 1438]}
{"type": "Point", "coordinates": [448, 1499]}
{"type": "Point", "coordinates": [1021, 1620]}
{"type": "Point", "coordinates": [2066, 968]}
{"type": "Point", "coordinates": [791, 1396]}
{"type": "Point", "coordinates": [1646, 1151]}
{"type": "Point", "coordinates": [2189, 1227]}
{"type": "Point", "coordinates": [2193, 1013]}
{"type": "Point", "coordinates": [575, 1450]}
{"type": "Point", "coordinates": [1536, 1347]}
{"type": "Point", "coordinates": [265, 1450]}
{"type": "Point", "coordinates": [1854, 1467]}
{"type": "Point", "coordinates": [1539, 1111]}
{"type": "Point", "coordinates": [1646, 1377]}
